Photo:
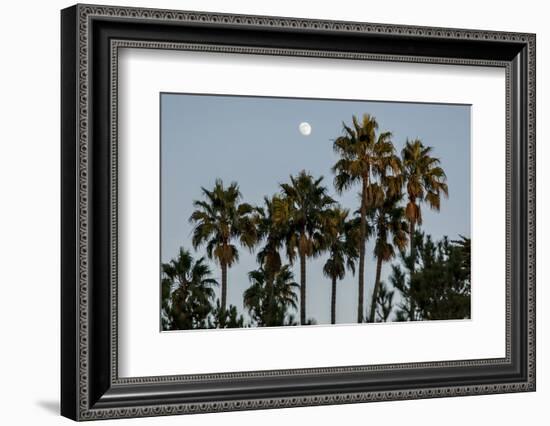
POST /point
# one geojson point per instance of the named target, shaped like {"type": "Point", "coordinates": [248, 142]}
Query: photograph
{"type": "Point", "coordinates": [280, 211]}
{"type": "Point", "coordinates": [273, 208]}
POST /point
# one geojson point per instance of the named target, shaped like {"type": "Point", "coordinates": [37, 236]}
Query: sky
{"type": "Point", "coordinates": [256, 142]}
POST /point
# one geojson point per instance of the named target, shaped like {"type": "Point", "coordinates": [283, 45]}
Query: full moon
{"type": "Point", "coordinates": [305, 128]}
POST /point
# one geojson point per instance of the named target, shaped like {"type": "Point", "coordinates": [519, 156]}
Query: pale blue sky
{"type": "Point", "coordinates": [255, 141]}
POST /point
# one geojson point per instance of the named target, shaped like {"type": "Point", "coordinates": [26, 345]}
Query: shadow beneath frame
{"type": "Point", "coordinates": [50, 406]}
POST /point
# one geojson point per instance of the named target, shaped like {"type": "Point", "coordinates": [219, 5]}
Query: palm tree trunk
{"type": "Point", "coordinates": [333, 302]}
{"type": "Point", "coordinates": [363, 233]}
{"type": "Point", "coordinates": [412, 222]}
{"type": "Point", "coordinates": [269, 313]}
{"type": "Point", "coordinates": [224, 286]}
{"type": "Point", "coordinates": [413, 261]}
{"type": "Point", "coordinates": [411, 239]}
{"type": "Point", "coordinates": [376, 289]}
{"type": "Point", "coordinates": [302, 289]}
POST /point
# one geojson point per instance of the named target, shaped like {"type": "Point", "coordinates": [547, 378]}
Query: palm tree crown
{"type": "Point", "coordinates": [269, 306]}
{"type": "Point", "coordinates": [220, 220]}
{"type": "Point", "coordinates": [271, 232]}
{"type": "Point", "coordinates": [425, 180]}
{"type": "Point", "coordinates": [188, 292]}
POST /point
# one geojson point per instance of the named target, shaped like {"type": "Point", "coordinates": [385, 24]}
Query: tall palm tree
{"type": "Point", "coordinates": [391, 229]}
{"type": "Point", "coordinates": [300, 210]}
{"type": "Point", "coordinates": [219, 221]}
{"type": "Point", "coordinates": [364, 156]}
{"type": "Point", "coordinates": [342, 240]}
{"type": "Point", "coordinates": [188, 292]}
{"type": "Point", "coordinates": [268, 307]}
{"type": "Point", "coordinates": [424, 180]}
{"type": "Point", "coordinates": [269, 257]}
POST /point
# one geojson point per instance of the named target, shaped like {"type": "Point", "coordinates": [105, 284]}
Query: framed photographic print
{"type": "Point", "coordinates": [263, 212]}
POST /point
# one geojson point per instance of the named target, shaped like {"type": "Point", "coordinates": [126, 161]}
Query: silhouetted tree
{"type": "Point", "coordinates": [219, 220]}
{"type": "Point", "coordinates": [364, 156]}
{"type": "Point", "coordinates": [300, 210]}
{"type": "Point", "coordinates": [272, 235]}
{"type": "Point", "coordinates": [225, 318]}
{"type": "Point", "coordinates": [424, 182]}
{"type": "Point", "coordinates": [390, 227]}
{"type": "Point", "coordinates": [268, 306]}
{"type": "Point", "coordinates": [187, 292]}
{"type": "Point", "coordinates": [384, 303]}
{"type": "Point", "coordinates": [342, 240]}
{"type": "Point", "coordinates": [439, 286]}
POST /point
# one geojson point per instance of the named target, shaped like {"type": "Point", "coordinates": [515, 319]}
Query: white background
{"type": "Point", "coordinates": [140, 343]}
{"type": "Point", "coordinates": [29, 225]}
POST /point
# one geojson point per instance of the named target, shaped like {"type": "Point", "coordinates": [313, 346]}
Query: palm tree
{"type": "Point", "coordinates": [269, 257]}
{"type": "Point", "coordinates": [388, 220]}
{"type": "Point", "coordinates": [342, 238]}
{"type": "Point", "coordinates": [268, 307]}
{"type": "Point", "coordinates": [424, 180]}
{"type": "Point", "coordinates": [300, 210]}
{"type": "Point", "coordinates": [188, 292]}
{"type": "Point", "coordinates": [364, 156]}
{"type": "Point", "coordinates": [219, 221]}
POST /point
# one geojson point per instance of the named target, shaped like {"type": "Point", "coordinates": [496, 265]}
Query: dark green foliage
{"type": "Point", "coordinates": [225, 318]}
{"type": "Point", "coordinates": [268, 305]}
{"type": "Point", "coordinates": [384, 303]}
{"type": "Point", "coordinates": [187, 292]}
{"type": "Point", "coordinates": [438, 285]}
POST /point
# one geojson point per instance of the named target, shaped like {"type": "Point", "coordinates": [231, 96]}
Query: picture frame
{"type": "Point", "coordinates": [90, 384]}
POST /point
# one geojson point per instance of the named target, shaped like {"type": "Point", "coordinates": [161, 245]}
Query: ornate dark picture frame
{"type": "Point", "coordinates": [91, 37]}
